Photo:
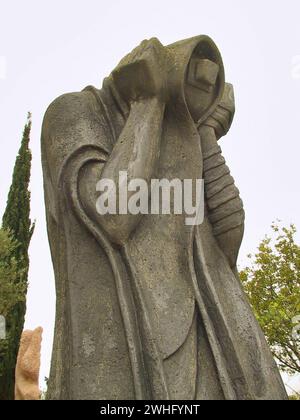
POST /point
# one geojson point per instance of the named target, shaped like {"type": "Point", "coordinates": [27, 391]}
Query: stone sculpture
{"type": "Point", "coordinates": [28, 366]}
{"type": "Point", "coordinates": [149, 307]}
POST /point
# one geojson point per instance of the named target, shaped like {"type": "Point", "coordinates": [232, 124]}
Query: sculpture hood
{"type": "Point", "coordinates": [182, 52]}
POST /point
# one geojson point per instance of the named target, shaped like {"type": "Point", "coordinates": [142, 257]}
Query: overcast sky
{"type": "Point", "coordinates": [48, 48]}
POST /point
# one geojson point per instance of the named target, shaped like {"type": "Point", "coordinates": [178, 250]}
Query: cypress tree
{"type": "Point", "coordinates": [16, 220]}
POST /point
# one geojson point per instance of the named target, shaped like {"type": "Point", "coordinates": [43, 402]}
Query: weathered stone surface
{"type": "Point", "coordinates": [28, 366]}
{"type": "Point", "coordinates": [149, 307]}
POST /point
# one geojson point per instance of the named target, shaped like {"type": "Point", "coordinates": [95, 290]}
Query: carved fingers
{"type": "Point", "coordinates": [221, 119]}
{"type": "Point", "coordinates": [142, 74]}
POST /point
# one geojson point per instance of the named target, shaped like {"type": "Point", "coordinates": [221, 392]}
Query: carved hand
{"type": "Point", "coordinates": [142, 74]}
{"type": "Point", "coordinates": [222, 117]}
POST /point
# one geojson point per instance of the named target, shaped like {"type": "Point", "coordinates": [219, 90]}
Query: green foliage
{"type": "Point", "coordinates": [44, 392]}
{"type": "Point", "coordinates": [16, 217]}
{"type": "Point", "coordinates": [16, 220]}
{"type": "Point", "coordinates": [11, 290]}
{"type": "Point", "coordinates": [272, 284]}
{"type": "Point", "coordinates": [294, 397]}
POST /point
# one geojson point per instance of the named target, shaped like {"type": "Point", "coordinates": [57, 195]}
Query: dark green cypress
{"type": "Point", "coordinates": [16, 219]}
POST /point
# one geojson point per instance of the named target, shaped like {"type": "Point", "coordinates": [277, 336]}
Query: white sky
{"type": "Point", "coordinates": [51, 47]}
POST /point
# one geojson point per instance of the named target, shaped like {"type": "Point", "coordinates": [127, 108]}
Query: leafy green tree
{"type": "Point", "coordinates": [12, 291]}
{"type": "Point", "coordinates": [272, 283]}
{"type": "Point", "coordinates": [16, 219]}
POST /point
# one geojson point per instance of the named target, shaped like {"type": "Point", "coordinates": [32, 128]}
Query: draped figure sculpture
{"type": "Point", "coordinates": [149, 307]}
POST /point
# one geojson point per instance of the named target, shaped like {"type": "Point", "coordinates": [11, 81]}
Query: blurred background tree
{"type": "Point", "coordinates": [272, 284]}
{"type": "Point", "coordinates": [294, 397]}
{"type": "Point", "coordinates": [15, 262]}
{"type": "Point", "coordinates": [12, 291]}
